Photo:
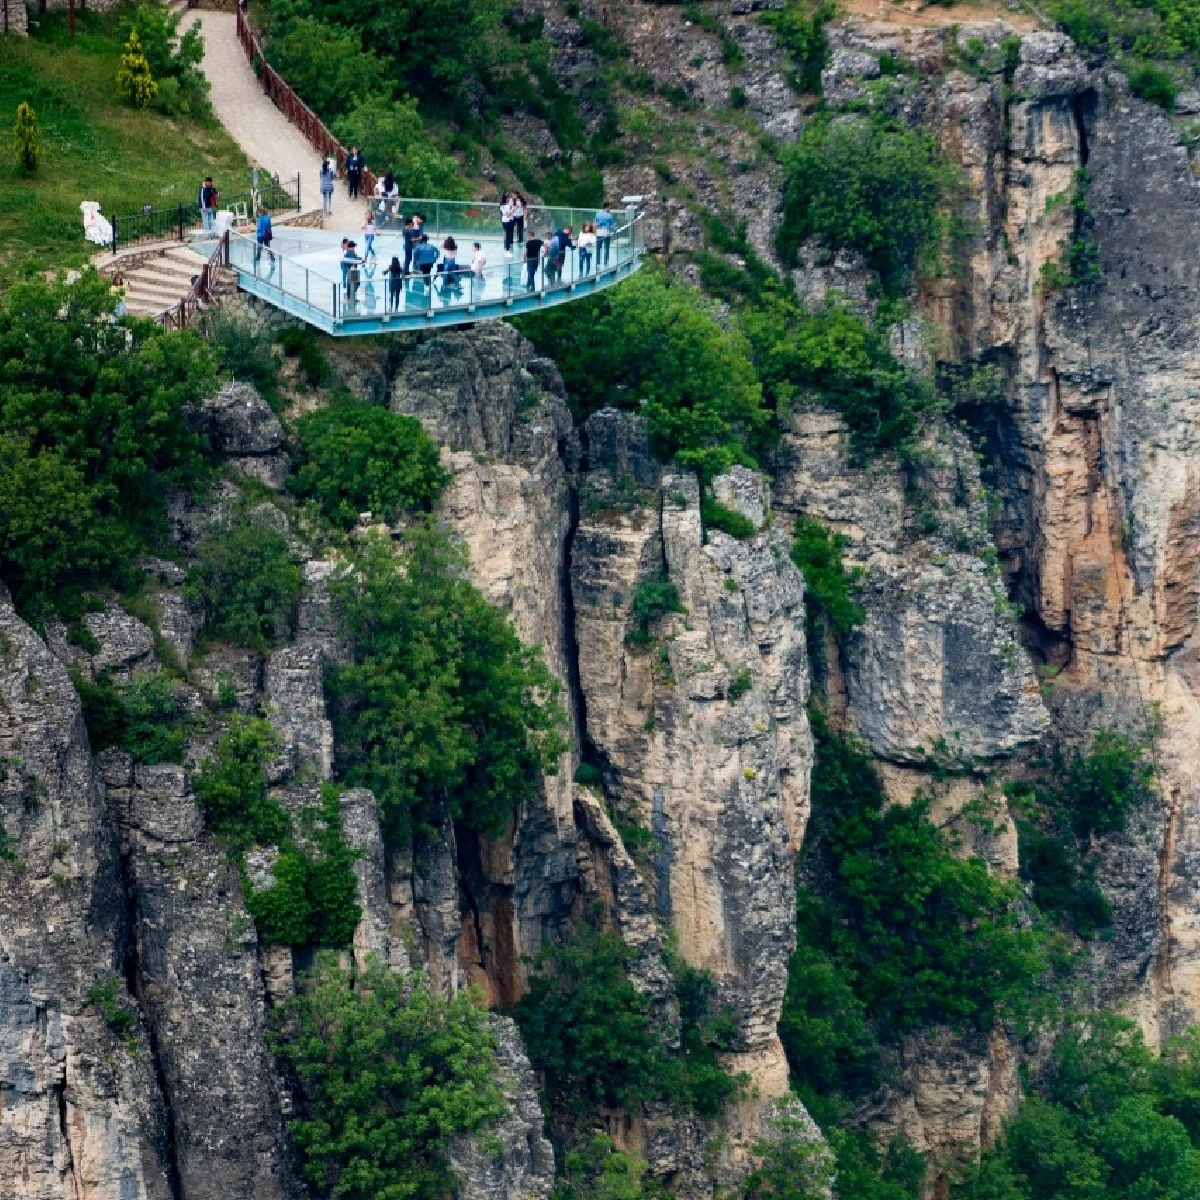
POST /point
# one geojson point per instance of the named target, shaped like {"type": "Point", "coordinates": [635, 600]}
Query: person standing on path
{"type": "Point", "coordinates": [519, 209]}
{"type": "Point", "coordinates": [350, 275]}
{"type": "Point", "coordinates": [208, 204]}
{"type": "Point", "coordinates": [556, 259]}
{"type": "Point", "coordinates": [354, 170]}
{"type": "Point", "coordinates": [606, 224]}
{"type": "Point", "coordinates": [263, 236]}
{"type": "Point", "coordinates": [412, 235]}
{"type": "Point", "coordinates": [533, 257]}
{"type": "Point", "coordinates": [506, 222]}
{"type": "Point", "coordinates": [327, 180]}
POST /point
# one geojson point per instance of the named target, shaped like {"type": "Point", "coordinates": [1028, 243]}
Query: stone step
{"type": "Point", "coordinates": [167, 277]}
{"type": "Point", "coordinates": [152, 294]}
{"type": "Point", "coordinates": [185, 255]}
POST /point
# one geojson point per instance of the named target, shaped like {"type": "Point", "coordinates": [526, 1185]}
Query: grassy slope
{"type": "Point", "coordinates": [93, 148]}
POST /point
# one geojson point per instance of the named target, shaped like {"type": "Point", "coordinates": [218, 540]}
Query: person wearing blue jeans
{"type": "Point", "coordinates": [606, 224]}
{"type": "Point", "coordinates": [533, 257]}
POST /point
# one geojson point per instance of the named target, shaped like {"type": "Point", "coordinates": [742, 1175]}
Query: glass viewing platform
{"type": "Point", "coordinates": [302, 272]}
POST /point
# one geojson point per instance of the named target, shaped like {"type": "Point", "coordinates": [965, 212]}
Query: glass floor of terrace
{"type": "Point", "coordinates": [302, 273]}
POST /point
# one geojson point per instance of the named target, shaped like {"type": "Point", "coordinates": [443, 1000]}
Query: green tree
{"type": "Point", "coordinates": [327, 66]}
{"type": "Point", "coordinates": [93, 436]}
{"type": "Point", "coordinates": [27, 143]}
{"type": "Point", "coordinates": [656, 345]}
{"type": "Point", "coordinates": [135, 84]}
{"type": "Point", "coordinates": [393, 137]}
{"type": "Point", "coordinates": [249, 581]}
{"type": "Point", "coordinates": [390, 1074]}
{"type": "Point", "coordinates": [231, 786]}
{"type": "Point", "coordinates": [174, 59]}
{"type": "Point", "coordinates": [364, 457]}
{"type": "Point", "coordinates": [871, 184]}
{"type": "Point", "coordinates": [442, 712]}
{"type": "Point", "coordinates": [830, 587]}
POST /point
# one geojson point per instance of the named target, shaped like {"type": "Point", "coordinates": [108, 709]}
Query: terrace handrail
{"type": "Point", "coordinates": [180, 315]}
{"type": "Point", "coordinates": [284, 97]}
{"type": "Point", "coordinates": [173, 224]}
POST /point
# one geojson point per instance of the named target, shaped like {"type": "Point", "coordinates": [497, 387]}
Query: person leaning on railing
{"type": "Point", "coordinates": [606, 224]}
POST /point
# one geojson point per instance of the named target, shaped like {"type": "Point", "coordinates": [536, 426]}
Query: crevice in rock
{"type": "Point", "coordinates": [64, 1132]}
{"type": "Point", "coordinates": [131, 970]}
{"type": "Point", "coordinates": [570, 644]}
{"type": "Point", "coordinates": [1077, 111]}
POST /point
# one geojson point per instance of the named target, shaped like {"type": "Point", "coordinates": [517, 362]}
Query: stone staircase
{"type": "Point", "coordinates": [160, 281]}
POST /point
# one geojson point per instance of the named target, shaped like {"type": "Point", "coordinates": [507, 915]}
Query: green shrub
{"type": "Point", "coordinates": [836, 357]}
{"type": "Point", "coordinates": [1060, 810]}
{"type": "Point", "coordinates": [390, 1074]}
{"type": "Point", "coordinates": [93, 436]}
{"type": "Point", "coordinates": [361, 457]}
{"type": "Point", "coordinates": [652, 600]}
{"type": "Point", "coordinates": [442, 712]}
{"type": "Point", "coordinates": [105, 998]}
{"type": "Point", "coordinates": [656, 345]}
{"type": "Point", "coordinates": [1150, 82]}
{"type": "Point", "coordinates": [249, 581]}
{"type": "Point", "coordinates": [135, 85]}
{"type": "Point", "coordinates": [300, 343]}
{"type": "Point", "coordinates": [244, 353]}
{"type": "Point", "coordinates": [144, 716]}
{"type": "Point", "coordinates": [715, 515]}
{"type": "Point", "coordinates": [327, 66]}
{"type": "Point", "coordinates": [174, 59]}
{"type": "Point", "coordinates": [27, 143]}
{"type": "Point", "coordinates": [588, 1033]}
{"type": "Point", "coordinates": [597, 1170]}
{"type": "Point", "coordinates": [830, 588]}
{"type": "Point", "coordinates": [741, 683]}
{"type": "Point", "coordinates": [1100, 1120]}
{"type": "Point", "coordinates": [800, 26]}
{"type": "Point", "coordinates": [313, 901]}
{"type": "Point", "coordinates": [870, 184]}
{"type": "Point", "coordinates": [231, 786]}
{"type": "Point", "coordinates": [919, 936]}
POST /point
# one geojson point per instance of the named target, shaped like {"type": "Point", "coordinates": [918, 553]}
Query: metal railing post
{"type": "Point", "coordinates": [181, 222]}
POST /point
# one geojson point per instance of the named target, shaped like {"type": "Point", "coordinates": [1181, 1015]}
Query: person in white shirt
{"type": "Point", "coordinates": [479, 261]}
{"type": "Point", "coordinates": [586, 245]}
{"type": "Point", "coordinates": [507, 216]}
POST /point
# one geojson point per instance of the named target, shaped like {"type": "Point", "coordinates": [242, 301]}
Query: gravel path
{"type": "Point", "coordinates": [262, 131]}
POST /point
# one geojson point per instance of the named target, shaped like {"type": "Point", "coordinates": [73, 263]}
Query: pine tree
{"type": "Point", "coordinates": [26, 142]}
{"type": "Point", "coordinates": [135, 85]}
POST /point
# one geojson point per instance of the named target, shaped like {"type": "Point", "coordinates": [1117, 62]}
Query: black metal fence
{"type": "Point", "coordinates": [173, 224]}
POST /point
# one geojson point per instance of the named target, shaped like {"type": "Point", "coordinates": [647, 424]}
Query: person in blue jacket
{"type": "Point", "coordinates": [606, 224]}
{"type": "Point", "coordinates": [263, 236]}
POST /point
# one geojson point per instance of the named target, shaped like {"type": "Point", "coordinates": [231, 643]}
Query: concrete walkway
{"type": "Point", "coordinates": [263, 132]}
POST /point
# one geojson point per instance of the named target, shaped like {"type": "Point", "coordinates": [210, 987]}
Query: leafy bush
{"type": "Point", "coordinates": [327, 66]}
{"type": "Point", "coordinates": [300, 343]}
{"type": "Point", "coordinates": [27, 143]}
{"type": "Point", "coordinates": [834, 356]}
{"type": "Point", "coordinates": [1060, 810]}
{"type": "Point", "coordinates": [655, 345]}
{"type": "Point", "coordinates": [652, 599]}
{"type": "Point", "coordinates": [1150, 82]}
{"type": "Point", "coordinates": [715, 515]}
{"type": "Point", "coordinates": [870, 184]}
{"type": "Point", "coordinates": [393, 137]}
{"type": "Point", "coordinates": [800, 26]}
{"type": "Point", "coordinates": [249, 581]}
{"type": "Point", "coordinates": [390, 1074]}
{"type": "Point", "coordinates": [92, 437]}
{"type": "Point", "coordinates": [174, 59]}
{"type": "Point", "coordinates": [359, 457]}
{"type": "Point", "coordinates": [135, 84]}
{"type": "Point", "coordinates": [244, 353]}
{"type": "Point", "coordinates": [597, 1170]}
{"type": "Point", "coordinates": [741, 683]}
{"type": "Point", "coordinates": [587, 1031]}
{"type": "Point", "coordinates": [891, 924]}
{"type": "Point", "coordinates": [105, 998]}
{"type": "Point", "coordinates": [830, 588]}
{"type": "Point", "coordinates": [231, 786]}
{"type": "Point", "coordinates": [144, 716]}
{"type": "Point", "coordinates": [442, 712]}
{"type": "Point", "coordinates": [313, 901]}
{"type": "Point", "coordinates": [1102, 1120]}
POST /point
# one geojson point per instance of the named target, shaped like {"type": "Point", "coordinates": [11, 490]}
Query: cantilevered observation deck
{"type": "Point", "coordinates": [303, 275]}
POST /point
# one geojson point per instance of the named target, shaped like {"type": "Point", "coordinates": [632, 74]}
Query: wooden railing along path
{"type": "Point", "coordinates": [284, 97]}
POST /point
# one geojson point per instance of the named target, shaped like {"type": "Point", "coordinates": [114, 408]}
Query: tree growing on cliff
{"type": "Point", "coordinates": [390, 1074]}
{"type": "Point", "coordinates": [27, 143]}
